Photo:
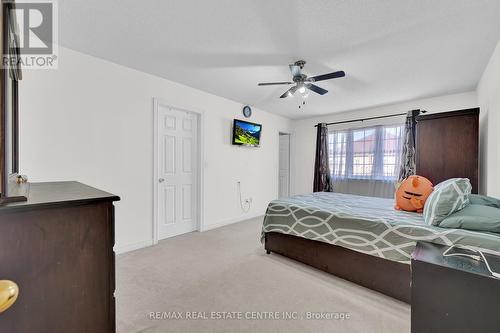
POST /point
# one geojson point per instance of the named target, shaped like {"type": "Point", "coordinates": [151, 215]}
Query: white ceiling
{"type": "Point", "coordinates": [391, 50]}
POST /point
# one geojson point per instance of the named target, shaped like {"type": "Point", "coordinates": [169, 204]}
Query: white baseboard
{"type": "Point", "coordinates": [230, 221]}
{"type": "Point", "coordinates": [133, 246]}
{"type": "Point", "coordinates": [139, 245]}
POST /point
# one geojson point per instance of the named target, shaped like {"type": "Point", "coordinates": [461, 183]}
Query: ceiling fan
{"type": "Point", "coordinates": [303, 82]}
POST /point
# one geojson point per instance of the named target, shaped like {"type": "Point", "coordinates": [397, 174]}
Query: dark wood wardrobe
{"type": "Point", "coordinates": [58, 248]}
{"type": "Point", "coordinates": [448, 146]}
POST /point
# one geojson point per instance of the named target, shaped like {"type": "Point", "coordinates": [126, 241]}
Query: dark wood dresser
{"type": "Point", "coordinates": [448, 146]}
{"type": "Point", "coordinates": [453, 294]}
{"type": "Point", "coordinates": [58, 248]}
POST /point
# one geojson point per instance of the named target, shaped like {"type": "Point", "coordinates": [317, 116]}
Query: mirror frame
{"type": "Point", "coordinates": [9, 189]}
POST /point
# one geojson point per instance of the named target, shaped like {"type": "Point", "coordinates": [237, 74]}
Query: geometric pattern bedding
{"type": "Point", "coordinates": [365, 224]}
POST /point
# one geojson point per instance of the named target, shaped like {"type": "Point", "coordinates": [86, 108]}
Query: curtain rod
{"type": "Point", "coordinates": [371, 118]}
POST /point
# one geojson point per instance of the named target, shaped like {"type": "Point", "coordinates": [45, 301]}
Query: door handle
{"type": "Point", "coordinates": [8, 294]}
{"type": "Point", "coordinates": [161, 180]}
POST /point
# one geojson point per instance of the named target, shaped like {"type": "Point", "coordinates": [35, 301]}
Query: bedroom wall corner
{"type": "Point", "coordinates": [305, 133]}
{"type": "Point", "coordinates": [91, 120]}
{"type": "Point", "coordinates": [488, 91]}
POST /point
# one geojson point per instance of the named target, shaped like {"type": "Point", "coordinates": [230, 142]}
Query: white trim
{"type": "Point", "coordinates": [292, 160]}
{"type": "Point", "coordinates": [293, 137]}
{"type": "Point", "coordinates": [201, 164]}
{"type": "Point", "coordinates": [155, 171]}
{"type": "Point", "coordinates": [133, 246]}
{"type": "Point", "coordinates": [147, 243]}
{"type": "Point", "coordinates": [231, 221]}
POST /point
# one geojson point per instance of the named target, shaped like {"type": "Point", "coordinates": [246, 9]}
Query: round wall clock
{"type": "Point", "coordinates": [247, 111]}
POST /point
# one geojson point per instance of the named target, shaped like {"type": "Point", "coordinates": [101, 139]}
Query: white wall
{"type": "Point", "coordinates": [488, 92]}
{"type": "Point", "coordinates": [92, 121]}
{"type": "Point", "coordinates": [305, 132]}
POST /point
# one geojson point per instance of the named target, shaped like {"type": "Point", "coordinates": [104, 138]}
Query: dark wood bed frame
{"type": "Point", "coordinates": [388, 277]}
{"type": "Point", "coordinates": [437, 163]}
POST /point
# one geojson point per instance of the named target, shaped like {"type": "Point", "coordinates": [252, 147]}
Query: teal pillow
{"type": "Point", "coordinates": [476, 199]}
{"type": "Point", "coordinates": [474, 217]}
{"type": "Point", "coordinates": [448, 197]}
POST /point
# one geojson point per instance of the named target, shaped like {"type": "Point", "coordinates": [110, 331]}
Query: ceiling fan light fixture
{"type": "Point", "coordinates": [302, 83]}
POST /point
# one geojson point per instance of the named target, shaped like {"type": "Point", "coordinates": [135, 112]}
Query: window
{"type": "Point", "coordinates": [366, 153]}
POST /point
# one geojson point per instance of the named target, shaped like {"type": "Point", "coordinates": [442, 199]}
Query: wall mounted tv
{"type": "Point", "coordinates": [246, 133]}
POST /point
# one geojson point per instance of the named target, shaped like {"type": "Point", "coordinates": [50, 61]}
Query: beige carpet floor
{"type": "Point", "coordinates": [227, 270]}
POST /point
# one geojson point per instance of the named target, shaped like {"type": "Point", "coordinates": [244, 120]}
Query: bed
{"type": "Point", "coordinates": [361, 239]}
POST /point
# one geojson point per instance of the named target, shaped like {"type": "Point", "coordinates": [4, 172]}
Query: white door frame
{"type": "Point", "coordinates": [200, 167]}
{"type": "Point", "coordinates": [291, 189]}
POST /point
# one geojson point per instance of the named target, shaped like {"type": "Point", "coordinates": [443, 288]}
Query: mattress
{"type": "Point", "coordinates": [365, 224]}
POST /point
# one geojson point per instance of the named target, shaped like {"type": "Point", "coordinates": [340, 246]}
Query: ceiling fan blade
{"type": "Point", "coordinates": [316, 89]}
{"type": "Point", "coordinates": [273, 83]}
{"type": "Point", "coordinates": [329, 76]}
{"type": "Point", "coordinates": [289, 92]}
{"type": "Point", "coordinates": [295, 70]}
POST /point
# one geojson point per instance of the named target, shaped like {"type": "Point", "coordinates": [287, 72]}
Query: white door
{"type": "Point", "coordinates": [177, 172]}
{"type": "Point", "coordinates": [284, 166]}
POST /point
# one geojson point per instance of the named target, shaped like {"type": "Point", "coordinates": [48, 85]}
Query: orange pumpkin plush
{"type": "Point", "coordinates": [412, 194]}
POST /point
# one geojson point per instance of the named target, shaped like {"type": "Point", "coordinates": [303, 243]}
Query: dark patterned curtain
{"type": "Point", "coordinates": [322, 176]}
{"type": "Point", "coordinates": [408, 164]}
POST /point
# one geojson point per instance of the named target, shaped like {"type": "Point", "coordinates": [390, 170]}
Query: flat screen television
{"type": "Point", "coordinates": [246, 133]}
